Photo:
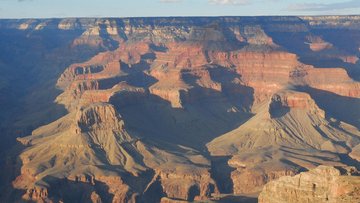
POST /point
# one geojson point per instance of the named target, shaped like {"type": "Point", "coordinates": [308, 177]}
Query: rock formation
{"type": "Point", "coordinates": [322, 184]}
{"type": "Point", "coordinates": [92, 146]}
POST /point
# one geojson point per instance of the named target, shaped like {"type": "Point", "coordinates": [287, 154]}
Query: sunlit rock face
{"type": "Point", "coordinates": [181, 109]}
{"type": "Point", "coordinates": [322, 184]}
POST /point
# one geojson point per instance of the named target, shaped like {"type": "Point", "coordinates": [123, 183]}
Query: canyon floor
{"type": "Point", "coordinates": [185, 109]}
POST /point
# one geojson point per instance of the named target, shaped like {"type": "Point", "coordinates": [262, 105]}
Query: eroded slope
{"type": "Point", "coordinates": [188, 108]}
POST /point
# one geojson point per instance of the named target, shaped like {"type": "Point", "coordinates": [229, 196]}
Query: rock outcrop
{"type": "Point", "coordinates": [322, 184]}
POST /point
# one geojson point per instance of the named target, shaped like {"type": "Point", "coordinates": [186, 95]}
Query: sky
{"type": "Point", "coordinates": [146, 8]}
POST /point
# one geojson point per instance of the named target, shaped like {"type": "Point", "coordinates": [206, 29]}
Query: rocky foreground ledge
{"type": "Point", "coordinates": [322, 184]}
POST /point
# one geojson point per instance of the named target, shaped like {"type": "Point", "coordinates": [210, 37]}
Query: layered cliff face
{"type": "Point", "coordinates": [183, 109]}
{"type": "Point", "coordinates": [322, 184]}
{"type": "Point", "coordinates": [92, 146]}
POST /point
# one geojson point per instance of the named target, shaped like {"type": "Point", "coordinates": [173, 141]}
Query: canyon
{"type": "Point", "coordinates": [180, 109]}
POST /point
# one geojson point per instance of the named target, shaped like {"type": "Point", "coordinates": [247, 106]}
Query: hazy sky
{"type": "Point", "coordinates": [130, 8]}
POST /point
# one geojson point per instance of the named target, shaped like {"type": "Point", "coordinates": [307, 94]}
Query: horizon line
{"type": "Point", "coordinates": [179, 16]}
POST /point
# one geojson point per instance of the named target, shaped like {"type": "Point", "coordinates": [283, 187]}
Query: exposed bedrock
{"type": "Point", "coordinates": [92, 146]}
{"type": "Point", "coordinates": [322, 184]}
